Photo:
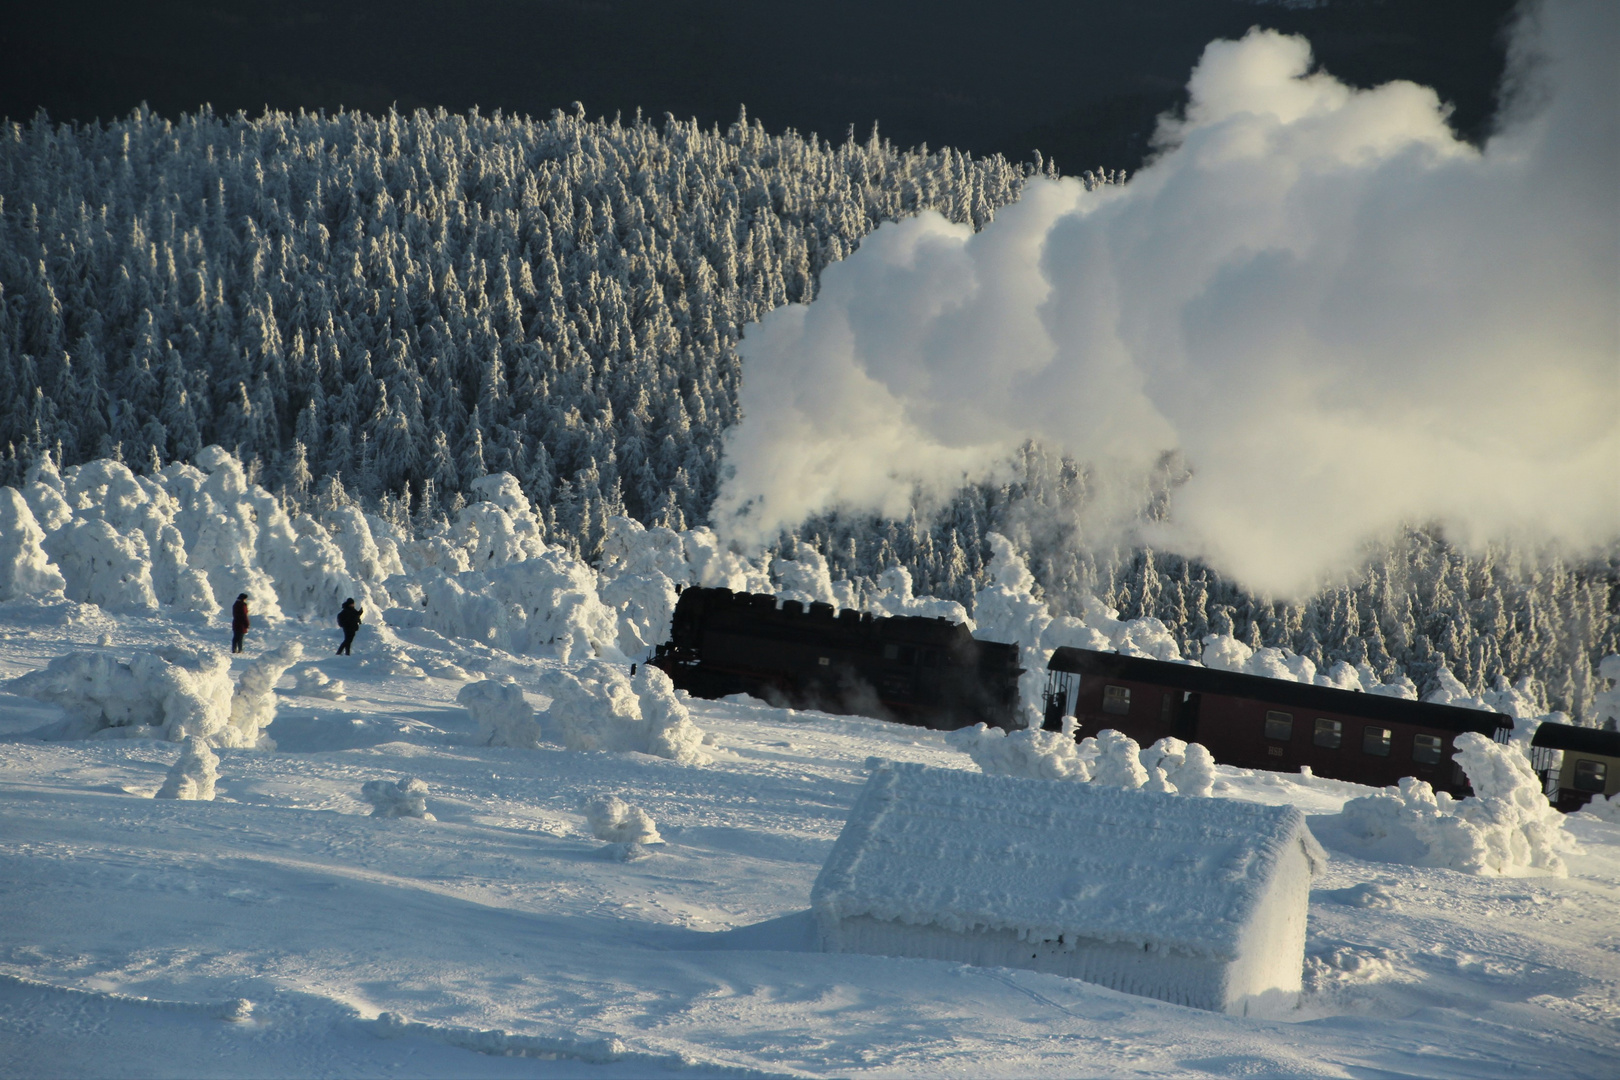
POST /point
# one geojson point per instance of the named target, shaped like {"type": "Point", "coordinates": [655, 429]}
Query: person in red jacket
{"type": "Point", "coordinates": [239, 622]}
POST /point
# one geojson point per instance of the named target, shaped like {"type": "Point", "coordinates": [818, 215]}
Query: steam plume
{"type": "Point", "coordinates": [1344, 317]}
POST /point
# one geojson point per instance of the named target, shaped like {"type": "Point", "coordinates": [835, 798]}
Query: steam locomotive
{"type": "Point", "coordinates": [934, 673]}
{"type": "Point", "coordinates": [928, 672]}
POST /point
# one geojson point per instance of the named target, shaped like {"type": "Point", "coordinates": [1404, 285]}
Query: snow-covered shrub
{"type": "Point", "coordinates": [25, 569]}
{"type": "Point", "coordinates": [1147, 638]}
{"type": "Point", "coordinates": [1119, 761]}
{"type": "Point", "coordinates": [1031, 752]}
{"type": "Point", "coordinates": [805, 578]}
{"type": "Point", "coordinates": [670, 731]}
{"type": "Point", "coordinates": [104, 567]}
{"type": "Point", "coordinates": [893, 596]}
{"type": "Point", "coordinates": [253, 706]}
{"type": "Point", "coordinates": [612, 819]}
{"type": "Point", "coordinates": [597, 707]}
{"type": "Point", "coordinates": [714, 566]}
{"type": "Point", "coordinates": [1189, 768]}
{"type": "Point", "coordinates": [1607, 702]}
{"type": "Point", "coordinates": [172, 694]}
{"type": "Point", "coordinates": [193, 775]}
{"type": "Point", "coordinates": [504, 718]}
{"type": "Point", "coordinates": [169, 694]}
{"type": "Point", "coordinates": [636, 581]}
{"type": "Point", "coordinates": [1506, 827]}
{"type": "Point", "coordinates": [407, 798]}
{"type": "Point", "coordinates": [1007, 611]}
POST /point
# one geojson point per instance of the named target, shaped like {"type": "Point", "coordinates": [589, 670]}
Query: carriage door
{"type": "Point", "coordinates": [1062, 687]}
{"type": "Point", "coordinates": [1187, 717]}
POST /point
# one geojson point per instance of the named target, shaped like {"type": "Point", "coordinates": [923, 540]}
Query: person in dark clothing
{"type": "Point", "coordinates": [349, 621]}
{"type": "Point", "coordinates": [239, 622]}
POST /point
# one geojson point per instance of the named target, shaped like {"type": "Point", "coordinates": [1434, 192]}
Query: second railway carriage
{"type": "Point", "coordinates": [1258, 723]}
{"type": "Point", "coordinates": [929, 672]}
{"type": "Point", "coordinates": [1576, 763]}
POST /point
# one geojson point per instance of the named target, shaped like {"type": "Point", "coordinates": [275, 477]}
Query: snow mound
{"type": "Point", "coordinates": [407, 798]}
{"type": "Point", "coordinates": [1604, 808]}
{"type": "Point", "coordinates": [504, 718]}
{"type": "Point", "coordinates": [391, 660]}
{"type": "Point", "coordinates": [311, 681]}
{"type": "Point", "coordinates": [1030, 753]}
{"type": "Point", "coordinates": [611, 818]}
{"type": "Point", "coordinates": [1506, 827]}
{"type": "Point", "coordinates": [597, 707]}
{"type": "Point", "coordinates": [193, 776]}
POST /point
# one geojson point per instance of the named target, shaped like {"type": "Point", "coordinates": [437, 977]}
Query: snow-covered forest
{"type": "Point", "coordinates": [383, 310]}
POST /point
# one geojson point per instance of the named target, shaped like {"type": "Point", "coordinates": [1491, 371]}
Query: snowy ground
{"type": "Point", "coordinates": [281, 930]}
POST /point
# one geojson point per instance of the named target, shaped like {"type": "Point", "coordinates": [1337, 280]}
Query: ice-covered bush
{"type": "Point", "coordinates": [253, 706]}
{"type": "Point", "coordinates": [193, 776]}
{"type": "Point", "coordinates": [1031, 752]}
{"type": "Point", "coordinates": [169, 694]}
{"type": "Point", "coordinates": [172, 694]}
{"type": "Point", "coordinates": [893, 596]}
{"type": "Point", "coordinates": [25, 569]}
{"type": "Point", "coordinates": [1111, 758]}
{"type": "Point", "coordinates": [407, 798]}
{"type": "Point", "coordinates": [670, 731]}
{"type": "Point", "coordinates": [1607, 702]}
{"type": "Point", "coordinates": [1119, 762]}
{"type": "Point", "coordinates": [640, 568]}
{"type": "Point", "coordinates": [597, 707]}
{"type": "Point", "coordinates": [504, 718]}
{"type": "Point", "coordinates": [1506, 827]}
{"type": "Point", "coordinates": [612, 819]}
{"type": "Point", "coordinates": [1188, 767]}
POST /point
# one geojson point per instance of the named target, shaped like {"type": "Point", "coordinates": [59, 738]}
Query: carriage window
{"type": "Point", "coordinates": [1591, 775]}
{"type": "Point", "coordinates": [1167, 711]}
{"type": "Point", "coordinates": [891, 652]}
{"type": "Point", "coordinates": [1279, 725]}
{"type": "Point", "coordinates": [1329, 733]}
{"type": "Point", "coordinates": [1375, 741]}
{"type": "Point", "coordinates": [1426, 749]}
{"type": "Point", "coordinates": [1117, 700]}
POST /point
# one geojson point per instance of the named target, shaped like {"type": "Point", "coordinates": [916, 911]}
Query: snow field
{"type": "Point", "coordinates": [504, 918]}
{"type": "Point", "coordinates": [503, 915]}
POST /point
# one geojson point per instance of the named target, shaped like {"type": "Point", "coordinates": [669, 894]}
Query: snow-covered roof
{"type": "Point", "coordinates": [966, 851]}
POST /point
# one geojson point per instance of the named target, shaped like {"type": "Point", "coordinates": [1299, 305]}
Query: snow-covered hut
{"type": "Point", "coordinates": [1200, 902]}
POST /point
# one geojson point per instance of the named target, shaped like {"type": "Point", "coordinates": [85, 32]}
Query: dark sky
{"type": "Point", "coordinates": [1081, 80]}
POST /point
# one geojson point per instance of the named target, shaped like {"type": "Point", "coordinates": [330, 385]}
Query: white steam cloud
{"type": "Point", "coordinates": [1345, 318]}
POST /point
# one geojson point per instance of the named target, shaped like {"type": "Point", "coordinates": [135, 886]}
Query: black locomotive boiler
{"type": "Point", "coordinates": [928, 672]}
